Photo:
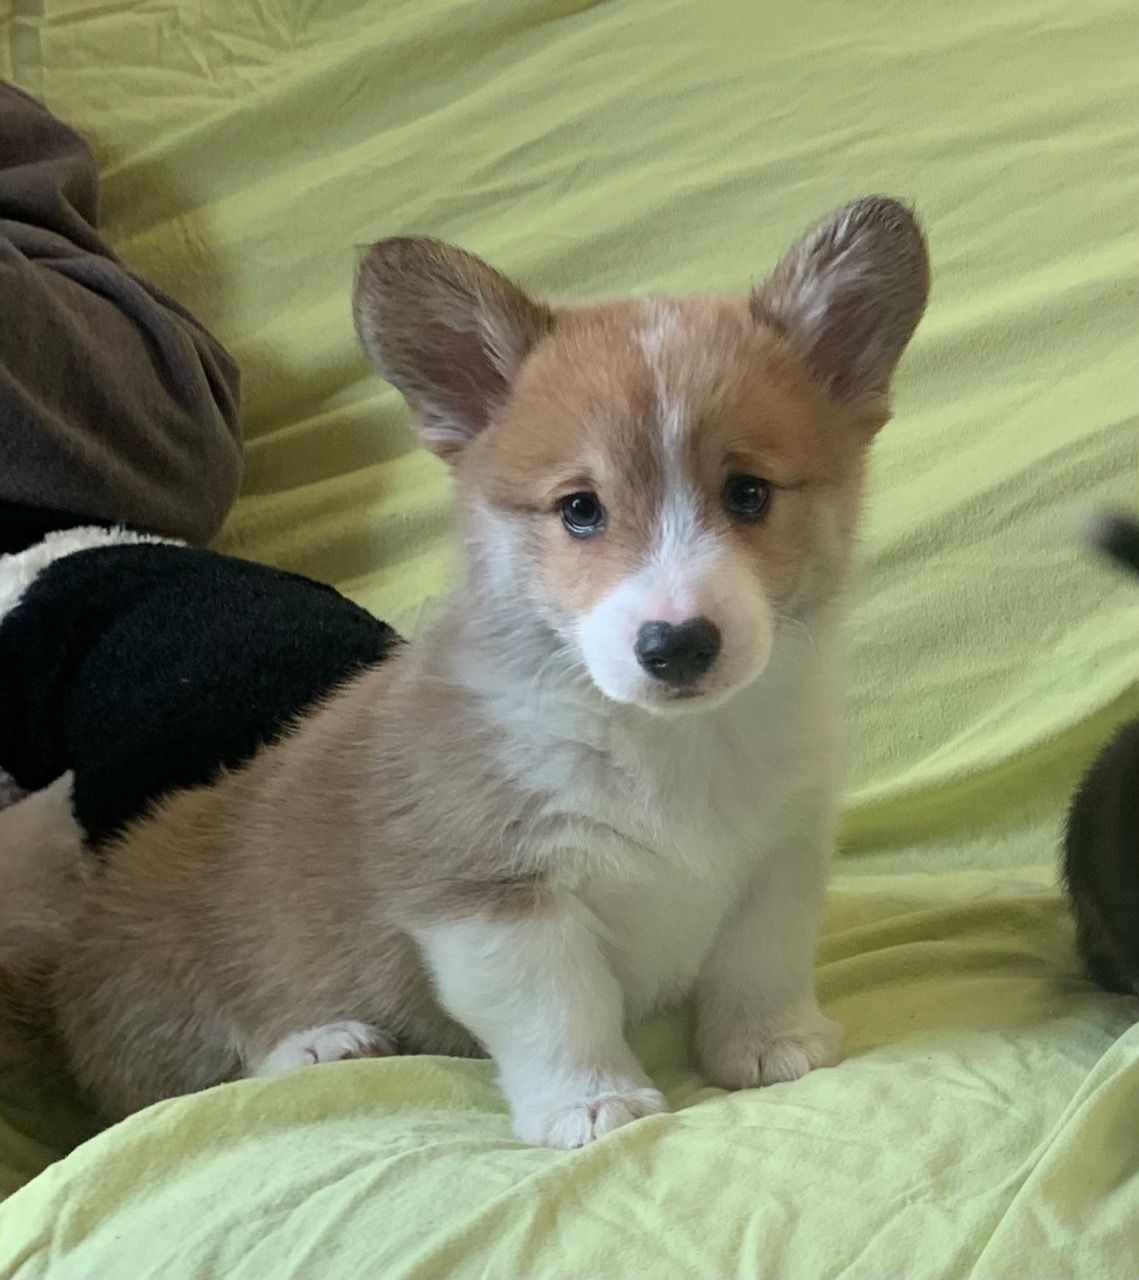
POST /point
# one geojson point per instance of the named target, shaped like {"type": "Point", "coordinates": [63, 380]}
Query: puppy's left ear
{"type": "Point", "coordinates": [448, 331]}
{"type": "Point", "coordinates": [848, 298]}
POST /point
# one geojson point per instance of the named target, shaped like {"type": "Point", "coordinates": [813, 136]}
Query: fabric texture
{"type": "Point", "coordinates": [75, 694]}
{"type": "Point", "coordinates": [983, 1122]}
{"type": "Point", "coordinates": [115, 403]}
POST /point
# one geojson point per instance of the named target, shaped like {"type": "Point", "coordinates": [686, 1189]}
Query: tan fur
{"type": "Point", "coordinates": [290, 893]}
{"type": "Point", "coordinates": [582, 417]}
{"type": "Point", "coordinates": [40, 860]}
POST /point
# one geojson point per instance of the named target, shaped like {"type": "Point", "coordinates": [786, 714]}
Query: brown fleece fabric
{"type": "Point", "coordinates": [115, 403]}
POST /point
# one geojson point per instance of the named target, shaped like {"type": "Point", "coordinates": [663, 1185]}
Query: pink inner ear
{"type": "Point", "coordinates": [836, 346]}
{"type": "Point", "coordinates": [468, 383]}
{"type": "Point", "coordinates": [845, 351]}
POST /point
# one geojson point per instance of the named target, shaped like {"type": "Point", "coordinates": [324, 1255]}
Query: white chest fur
{"type": "Point", "coordinates": [660, 823]}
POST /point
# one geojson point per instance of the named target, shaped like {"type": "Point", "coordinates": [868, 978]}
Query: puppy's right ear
{"type": "Point", "coordinates": [848, 298]}
{"type": "Point", "coordinates": [448, 331]}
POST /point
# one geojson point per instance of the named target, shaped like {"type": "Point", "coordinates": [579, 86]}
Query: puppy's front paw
{"type": "Point", "coordinates": [744, 1057]}
{"type": "Point", "coordinates": [573, 1124]}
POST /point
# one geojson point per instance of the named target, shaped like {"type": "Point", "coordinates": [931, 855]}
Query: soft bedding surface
{"type": "Point", "coordinates": [986, 1119]}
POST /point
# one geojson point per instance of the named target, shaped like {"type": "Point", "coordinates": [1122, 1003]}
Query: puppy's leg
{"type": "Point", "coordinates": [332, 1042]}
{"type": "Point", "coordinates": [133, 1035]}
{"type": "Point", "coordinates": [537, 991]}
{"type": "Point", "coordinates": [133, 997]}
{"type": "Point", "coordinates": [759, 1022]}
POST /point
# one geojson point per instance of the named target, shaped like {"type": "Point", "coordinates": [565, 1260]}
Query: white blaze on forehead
{"type": "Point", "coordinates": [684, 549]}
{"type": "Point", "coordinates": [661, 332]}
{"type": "Point", "coordinates": [689, 569]}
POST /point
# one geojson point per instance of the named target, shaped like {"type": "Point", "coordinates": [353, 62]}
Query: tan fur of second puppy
{"type": "Point", "coordinates": [607, 773]}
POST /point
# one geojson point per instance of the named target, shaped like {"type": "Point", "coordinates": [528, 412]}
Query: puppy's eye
{"type": "Point", "coordinates": [582, 514]}
{"type": "Point", "coordinates": [746, 497]}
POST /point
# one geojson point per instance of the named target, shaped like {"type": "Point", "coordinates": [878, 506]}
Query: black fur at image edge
{"type": "Point", "coordinates": [1101, 843]}
{"type": "Point", "coordinates": [148, 668]}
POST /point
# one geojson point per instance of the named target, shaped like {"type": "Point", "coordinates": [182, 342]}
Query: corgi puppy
{"type": "Point", "coordinates": [605, 777]}
{"type": "Point", "coordinates": [1101, 841]}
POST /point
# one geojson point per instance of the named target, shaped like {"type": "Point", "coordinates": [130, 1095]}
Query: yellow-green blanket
{"type": "Point", "coordinates": [986, 1120]}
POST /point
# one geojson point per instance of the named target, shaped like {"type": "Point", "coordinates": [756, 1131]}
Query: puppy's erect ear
{"type": "Point", "coordinates": [848, 298]}
{"type": "Point", "coordinates": [447, 330]}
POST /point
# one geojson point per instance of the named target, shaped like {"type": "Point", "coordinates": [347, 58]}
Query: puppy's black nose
{"type": "Point", "coordinates": [680, 654]}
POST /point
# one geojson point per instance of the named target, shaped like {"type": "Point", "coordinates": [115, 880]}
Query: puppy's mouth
{"type": "Point", "coordinates": [689, 700]}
